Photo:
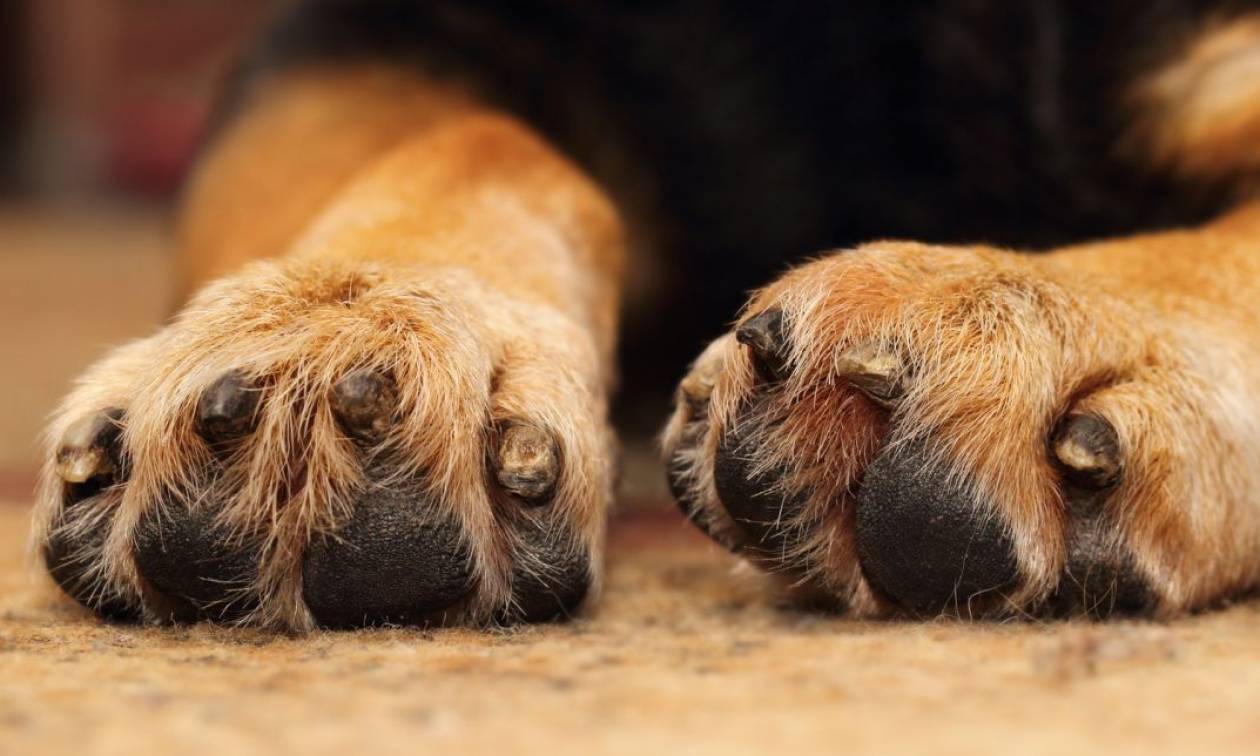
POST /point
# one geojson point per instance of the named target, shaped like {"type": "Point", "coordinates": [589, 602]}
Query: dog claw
{"type": "Point", "coordinates": [875, 373]}
{"type": "Point", "coordinates": [697, 387]}
{"type": "Point", "coordinates": [528, 463]}
{"type": "Point", "coordinates": [365, 403]}
{"type": "Point", "coordinates": [88, 447]}
{"type": "Point", "coordinates": [228, 409]}
{"type": "Point", "coordinates": [1088, 449]}
{"type": "Point", "coordinates": [763, 334]}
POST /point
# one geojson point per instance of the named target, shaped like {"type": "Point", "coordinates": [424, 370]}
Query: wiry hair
{"type": "Point", "coordinates": [295, 328]}
{"type": "Point", "coordinates": [406, 272]}
{"type": "Point", "coordinates": [996, 348]}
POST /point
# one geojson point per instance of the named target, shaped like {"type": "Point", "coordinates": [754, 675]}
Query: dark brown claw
{"type": "Point", "coordinates": [763, 334]}
{"type": "Point", "coordinates": [527, 463]}
{"type": "Point", "coordinates": [365, 403]}
{"type": "Point", "coordinates": [228, 409]}
{"type": "Point", "coordinates": [89, 447]}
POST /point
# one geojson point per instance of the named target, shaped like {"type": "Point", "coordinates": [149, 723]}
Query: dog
{"type": "Point", "coordinates": [416, 228]}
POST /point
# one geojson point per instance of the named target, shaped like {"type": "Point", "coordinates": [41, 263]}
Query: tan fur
{"type": "Point", "coordinates": [308, 133]}
{"type": "Point", "coordinates": [367, 218]}
{"type": "Point", "coordinates": [1156, 333]}
{"type": "Point", "coordinates": [412, 233]}
{"type": "Point", "coordinates": [1139, 330]}
{"type": "Point", "coordinates": [1197, 114]}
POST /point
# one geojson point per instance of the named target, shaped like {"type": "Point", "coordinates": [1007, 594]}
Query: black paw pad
{"type": "Point", "coordinates": [394, 561]}
{"type": "Point", "coordinates": [1100, 579]}
{"type": "Point", "coordinates": [194, 563]}
{"type": "Point", "coordinates": [754, 498]}
{"type": "Point", "coordinates": [550, 580]}
{"type": "Point", "coordinates": [676, 477]}
{"type": "Point", "coordinates": [924, 542]}
{"type": "Point", "coordinates": [70, 555]}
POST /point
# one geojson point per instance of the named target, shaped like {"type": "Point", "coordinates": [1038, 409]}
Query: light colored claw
{"type": "Point", "coordinates": [1088, 447]}
{"type": "Point", "coordinates": [877, 374]}
{"type": "Point", "coordinates": [528, 462]}
{"type": "Point", "coordinates": [697, 386]}
{"type": "Point", "coordinates": [84, 452]}
{"type": "Point", "coordinates": [84, 466]}
{"type": "Point", "coordinates": [1076, 456]}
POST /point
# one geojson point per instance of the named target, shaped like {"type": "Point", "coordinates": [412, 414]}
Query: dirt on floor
{"type": "Point", "coordinates": [680, 656]}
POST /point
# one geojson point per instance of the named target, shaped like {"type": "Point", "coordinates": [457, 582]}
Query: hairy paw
{"type": "Point", "coordinates": [334, 445]}
{"type": "Point", "coordinates": [905, 430]}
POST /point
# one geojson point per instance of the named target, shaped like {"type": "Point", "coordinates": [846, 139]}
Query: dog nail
{"type": "Point", "coordinates": [528, 463]}
{"type": "Point", "coordinates": [876, 374]}
{"type": "Point", "coordinates": [365, 403]}
{"type": "Point", "coordinates": [228, 409]}
{"type": "Point", "coordinates": [1089, 451]}
{"type": "Point", "coordinates": [697, 387]}
{"type": "Point", "coordinates": [763, 334]}
{"type": "Point", "coordinates": [89, 447]}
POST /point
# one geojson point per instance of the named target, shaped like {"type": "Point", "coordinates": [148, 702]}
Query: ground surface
{"type": "Point", "coordinates": [681, 656]}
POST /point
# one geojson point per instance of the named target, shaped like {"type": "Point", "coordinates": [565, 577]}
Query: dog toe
{"type": "Point", "coordinates": [914, 430]}
{"type": "Point", "coordinates": [926, 540]}
{"type": "Point", "coordinates": [398, 559]}
{"type": "Point", "coordinates": [301, 461]}
{"type": "Point", "coordinates": [527, 463]}
{"type": "Point", "coordinates": [197, 567]}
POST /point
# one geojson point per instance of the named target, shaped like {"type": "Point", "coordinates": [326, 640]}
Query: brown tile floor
{"type": "Point", "coordinates": [680, 657]}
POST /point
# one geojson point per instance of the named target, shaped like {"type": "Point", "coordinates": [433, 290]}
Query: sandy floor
{"type": "Point", "coordinates": [681, 657]}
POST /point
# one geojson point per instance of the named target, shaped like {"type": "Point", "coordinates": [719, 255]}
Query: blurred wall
{"type": "Point", "coordinates": [13, 77]}
{"type": "Point", "coordinates": [102, 103]}
{"type": "Point", "coordinates": [115, 92]}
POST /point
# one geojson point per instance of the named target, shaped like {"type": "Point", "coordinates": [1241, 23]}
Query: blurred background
{"type": "Point", "coordinates": [102, 104]}
{"type": "Point", "coordinates": [102, 107]}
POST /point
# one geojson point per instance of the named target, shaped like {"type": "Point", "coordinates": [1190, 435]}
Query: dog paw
{"type": "Point", "coordinates": [905, 430]}
{"type": "Point", "coordinates": [332, 445]}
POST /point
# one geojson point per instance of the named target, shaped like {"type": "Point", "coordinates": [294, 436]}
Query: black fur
{"type": "Point", "coordinates": [757, 133]}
